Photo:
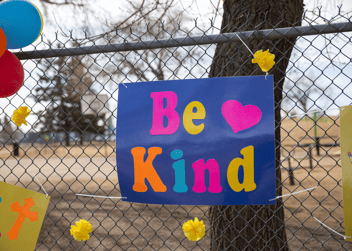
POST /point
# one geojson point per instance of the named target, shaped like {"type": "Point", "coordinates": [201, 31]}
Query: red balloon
{"type": "Point", "coordinates": [11, 74]}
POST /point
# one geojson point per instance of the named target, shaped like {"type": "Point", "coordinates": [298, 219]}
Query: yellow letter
{"type": "Point", "coordinates": [189, 115]}
{"type": "Point", "coordinates": [248, 168]}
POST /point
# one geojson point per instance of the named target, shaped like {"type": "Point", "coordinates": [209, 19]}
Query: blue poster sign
{"type": "Point", "coordinates": [197, 142]}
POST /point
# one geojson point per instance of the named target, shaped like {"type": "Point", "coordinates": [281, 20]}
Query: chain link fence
{"type": "Point", "coordinates": [71, 87]}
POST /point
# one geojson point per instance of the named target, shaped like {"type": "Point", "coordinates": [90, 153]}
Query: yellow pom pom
{"type": "Point", "coordinates": [81, 231]}
{"type": "Point", "coordinates": [265, 60]}
{"type": "Point", "coordinates": [19, 116]}
{"type": "Point", "coordinates": [194, 230]}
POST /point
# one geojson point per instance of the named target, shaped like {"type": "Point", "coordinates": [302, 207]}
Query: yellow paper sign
{"type": "Point", "coordinates": [346, 161]}
{"type": "Point", "coordinates": [22, 213]}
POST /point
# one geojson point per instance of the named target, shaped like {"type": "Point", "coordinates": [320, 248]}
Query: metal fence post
{"type": "Point", "coordinates": [16, 151]}
{"type": "Point", "coordinates": [290, 171]}
{"type": "Point", "coordinates": [310, 156]}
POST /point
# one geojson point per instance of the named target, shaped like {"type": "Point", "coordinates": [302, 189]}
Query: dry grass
{"type": "Point", "coordinates": [57, 150]}
{"type": "Point", "coordinates": [325, 201]}
{"type": "Point", "coordinates": [302, 131]}
{"type": "Point", "coordinates": [122, 226]}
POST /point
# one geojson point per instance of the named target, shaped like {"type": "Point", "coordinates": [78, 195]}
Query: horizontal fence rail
{"type": "Point", "coordinates": [189, 41]}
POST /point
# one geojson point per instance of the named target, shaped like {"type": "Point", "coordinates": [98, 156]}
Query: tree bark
{"type": "Point", "coordinates": [256, 227]}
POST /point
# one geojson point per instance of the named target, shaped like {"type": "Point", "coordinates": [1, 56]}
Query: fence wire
{"type": "Point", "coordinates": [71, 87]}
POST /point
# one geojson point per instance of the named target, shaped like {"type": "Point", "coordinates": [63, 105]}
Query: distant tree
{"type": "Point", "coordinates": [131, 13]}
{"type": "Point", "coordinates": [80, 80]}
{"type": "Point", "coordinates": [304, 93]}
{"type": "Point", "coordinates": [7, 131]}
{"type": "Point", "coordinates": [153, 64]}
{"type": "Point", "coordinates": [58, 95]}
{"type": "Point", "coordinates": [80, 83]}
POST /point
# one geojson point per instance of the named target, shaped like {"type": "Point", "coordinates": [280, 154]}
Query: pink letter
{"type": "Point", "coordinates": [159, 112]}
{"type": "Point", "coordinates": [214, 176]}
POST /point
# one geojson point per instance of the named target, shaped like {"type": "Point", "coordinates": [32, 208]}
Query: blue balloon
{"type": "Point", "coordinates": [21, 22]}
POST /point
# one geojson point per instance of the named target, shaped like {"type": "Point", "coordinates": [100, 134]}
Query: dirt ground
{"type": "Point", "coordinates": [57, 150]}
{"type": "Point", "coordinates": [131, 226]}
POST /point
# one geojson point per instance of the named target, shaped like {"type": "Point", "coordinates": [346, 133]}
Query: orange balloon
{"type": "Point", "coordinates": [3, 42]}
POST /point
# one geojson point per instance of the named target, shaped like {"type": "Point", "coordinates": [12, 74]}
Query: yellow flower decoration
{"type": "Point", "coordinates": [19, 116]}
{"type": "Point", "coordinates": [81, 231]}
{"type": "Point", "coordinates": [265, 60]}
{"type": "Point", "coordinates": [194, 230]}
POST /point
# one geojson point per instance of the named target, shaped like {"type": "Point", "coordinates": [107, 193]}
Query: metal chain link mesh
{"type": "Point", "coordinates": [70, 142]}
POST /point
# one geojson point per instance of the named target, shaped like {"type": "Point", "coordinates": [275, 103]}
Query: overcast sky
{"type": "Point", "coordinates": [113, 10]}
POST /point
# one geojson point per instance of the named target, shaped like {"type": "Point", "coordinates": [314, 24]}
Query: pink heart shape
{"type": "Point", "coordinates": [240, 117]}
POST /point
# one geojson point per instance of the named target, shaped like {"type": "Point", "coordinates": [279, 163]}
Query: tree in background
{"type": "Point", "coordinates": [60, 95]}
{"type": "Point", "coordinates": [158, 64]}
{"type": "Point", "coordinates": [304, 93]}
{"type": "Point", "coordinates": [254, 227]}
{"type": "Point", "coordinates": [7, 131]}
{"type": "Point", "coordinates": [131, 14]}
{"type": "Point", "coordinates": [80, 82]}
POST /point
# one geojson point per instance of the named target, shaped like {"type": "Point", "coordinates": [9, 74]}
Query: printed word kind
{"type": "Point", "coordinates": [145, 170]}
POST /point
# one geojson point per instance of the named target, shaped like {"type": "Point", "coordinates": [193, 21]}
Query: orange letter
{"type": "Point", "coordinates": [145, 170]}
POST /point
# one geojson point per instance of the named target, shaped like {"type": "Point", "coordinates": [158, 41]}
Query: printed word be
{"type": "Point", "coordinates": [173, 118]}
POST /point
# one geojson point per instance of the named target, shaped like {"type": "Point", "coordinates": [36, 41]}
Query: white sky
{"type": "Point", "coordinates": [202, 9]}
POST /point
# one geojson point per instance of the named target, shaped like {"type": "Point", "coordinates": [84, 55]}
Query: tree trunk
{"type": "Point", "coordinates": [254, 227]}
